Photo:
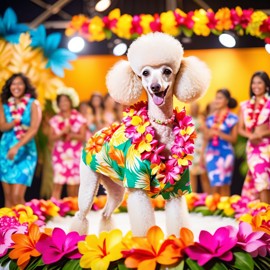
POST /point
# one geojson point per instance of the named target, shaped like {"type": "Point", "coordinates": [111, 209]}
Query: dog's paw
{"type": "Point", "coordinates": [79, 225]}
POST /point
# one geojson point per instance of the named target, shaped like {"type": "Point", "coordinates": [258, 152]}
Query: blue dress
{"type": "Point", "coordinates": [220, 158]}
{"type": "Point", "coordinates": [21, 169]}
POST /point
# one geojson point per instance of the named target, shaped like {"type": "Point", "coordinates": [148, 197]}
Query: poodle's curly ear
{"type": "Point", "coordinates": [123, 84]}
{"type": "Point", "coordinates": [192, 79]}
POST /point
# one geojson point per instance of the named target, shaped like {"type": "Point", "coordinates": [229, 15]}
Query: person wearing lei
{"type": "Point", "coordinates": [67, 132]}
{"type": "Point", "coordinates": [20, 117]}
{"type": "Point", "coordinates": [220, 134]}
{"type": "Point", "coordinates": [130, 154]}
{"type": "Point", "coordinates": [254, 124]}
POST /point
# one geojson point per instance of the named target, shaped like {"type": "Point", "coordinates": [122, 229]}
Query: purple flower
{"type": "Point", "coordinates": [263, 250]}
{"type": "Point", "coordinates": [59, 245]}
{"type": "Point", "coordinates": [211, 246]}
{"type": "Point", "coordinates": [248, 240]}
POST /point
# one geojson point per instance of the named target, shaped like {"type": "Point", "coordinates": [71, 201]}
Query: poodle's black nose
{"type": "Point", "coordinates": [155, 87]}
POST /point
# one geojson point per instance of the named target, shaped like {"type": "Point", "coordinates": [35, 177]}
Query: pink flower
{"type": "Point", "coordinates": [248, 240]}
{"type": "Point", "coordinates": [156, 25]}
{"type": "Point", "coordinates": [59, 245]}
{"type": "Point", "coordinates": [64, 206]}
{"type": "Point", "coordinates": [136, 27]}
{"type": "Point", "coordinates": [212, 20]}
{"type": "Point", "coordinates": [154, 155]}
{"type": "Point", "coordinates": [265, 249]}
{"type": "Point", "coordinates": [211, 246]}
{"type": "Point", "coordinates": [9, 226]}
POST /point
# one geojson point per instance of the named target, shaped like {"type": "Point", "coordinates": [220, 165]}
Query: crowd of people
{"type": "Point", "coordinates": [72, 123]}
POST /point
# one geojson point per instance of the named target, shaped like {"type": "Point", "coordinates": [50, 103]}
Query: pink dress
{"type": "Point", "coordinates": [258, 156]}
{"type": "Point", "coordinates": [66, 154]}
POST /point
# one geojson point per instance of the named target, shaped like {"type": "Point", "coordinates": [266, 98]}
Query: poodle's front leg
{"type": "Point", "coordinates": [177, 215]}
{"type": "Point", "coordinates": [141, 212]}
{"type": "Point", "coordinates": [87, 191]}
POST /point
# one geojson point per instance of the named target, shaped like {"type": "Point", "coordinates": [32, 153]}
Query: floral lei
{"type": "Point", "coordinates": [17, 111]}
{"type": "Point", "coordinates": [142, 135]}
{"type": "Point", "coordinates": [253, 114]}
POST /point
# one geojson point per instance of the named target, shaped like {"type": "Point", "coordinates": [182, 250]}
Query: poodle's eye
{"type": "Point", "coordinates": [145, 73]}
{"type": "Point", "coordinates": [167, 71]}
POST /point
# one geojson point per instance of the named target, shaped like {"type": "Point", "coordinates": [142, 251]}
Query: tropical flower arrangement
{"type": "Point", "coordinates": [174, 22]}
{"type": "Point", "coordinates": [34, 53]}
{"type": "Point", "coordinates": [26, 243]}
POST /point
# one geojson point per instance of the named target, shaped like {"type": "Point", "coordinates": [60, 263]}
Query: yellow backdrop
{"type": "Point", "coordinates": [231, 68]}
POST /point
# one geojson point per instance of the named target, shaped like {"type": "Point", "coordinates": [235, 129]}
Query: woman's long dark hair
{"type": "Point", "coordinates": [232, 103]}
{"type": "Point", "coordinates": [264, 76]}
{"type": "Point", "coordinates": [29, 89]}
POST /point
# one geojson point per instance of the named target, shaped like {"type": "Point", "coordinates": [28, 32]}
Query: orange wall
{"type": "Point", "coordinates": [231, 68]}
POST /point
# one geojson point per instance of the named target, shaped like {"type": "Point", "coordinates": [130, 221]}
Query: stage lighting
{"type": "Point", "coordinates": [267, 48]}
{"type": "Point", "coordinates": [102, 5]}
{"type": "Point", "coordinates": [76, 44]}
{"type": "Point", "coordinates": [120, 49]}
{"type": "Point", "coordinates": [227, 40]}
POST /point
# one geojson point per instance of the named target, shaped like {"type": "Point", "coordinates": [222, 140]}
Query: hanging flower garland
{"type": "Point", "coordinates": [26, 243]}
{"type": "Point", "coordinates": [198, 22]}
{"type": "Point", "coordinates": [34, 53]}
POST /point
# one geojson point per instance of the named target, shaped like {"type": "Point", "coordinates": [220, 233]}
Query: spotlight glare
{"type": "Point", "coordinates": [120, 49]}
{"type": "Point", "coordinates": [102, 5]}
{"type": "Point", "coordinates": [76, 44]}
{"type": "Point", "coordinates": [267, 48]}
{"type": "Point", "coordinates": [227, 40]}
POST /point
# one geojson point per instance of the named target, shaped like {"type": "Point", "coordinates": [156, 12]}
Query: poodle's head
{"type": "Point", "coordinates": [156, 63]}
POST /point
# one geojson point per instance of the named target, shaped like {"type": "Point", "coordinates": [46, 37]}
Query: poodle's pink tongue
{"type": "Point", "coordinates": [158, 100]}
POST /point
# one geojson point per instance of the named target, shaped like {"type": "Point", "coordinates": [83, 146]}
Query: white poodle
{"type": "Point", "coordinates": [142, 152]}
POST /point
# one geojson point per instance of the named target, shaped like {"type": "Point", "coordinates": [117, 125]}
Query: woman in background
{"type": "Point", "coordinates": [254, 124]}
{"type": "Point", "coordinates": [20, 117]}
{"type": "Point", "coordinates": [220, 134]}
{"type": "Point", "coordinates": [97, 103]}
{"type": "Point", "coordinates": [67, 131]}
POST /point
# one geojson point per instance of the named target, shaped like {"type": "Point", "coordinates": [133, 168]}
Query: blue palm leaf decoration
{"type": "Point", "coordinates": [58, 58]}
{"type": "Point", "coordinates": [10, 30]}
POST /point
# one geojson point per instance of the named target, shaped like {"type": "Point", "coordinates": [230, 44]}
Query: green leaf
{"type": "Point", "coordinates": [121, 266]}
{"type": "Point", "coordinates": [193, 265]}
{"type": "Point", "coordinates": [243, 261]}
{"type": "Point", "coordinates": [219, 266]}
{"type": "Point", "coordinates": [13, 265]}
{"type": "Point", "coordinates": [264, 262]}
{"type": "Point", "coordinates": [203, 210]}
{"type": "Point", "coordinates": [187, 32]}
{"type": "Point", "coordinates": [4, 260]}
{"type": "Point", "coordinates": [34, 263]}
{"type": "Point", "coordinates": [72, 264]}
{"type": "Point", "coordinates": [179, 266]}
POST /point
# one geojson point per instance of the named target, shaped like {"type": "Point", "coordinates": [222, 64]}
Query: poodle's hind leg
{"type": "Point", "coordinates": [141, 212]}
{"type": "Point", "coordinates": [88, 188]}
{"type": "Point", "coordinates": [177, 215]}
{"type": "Point", "coordinates": [115, 194]}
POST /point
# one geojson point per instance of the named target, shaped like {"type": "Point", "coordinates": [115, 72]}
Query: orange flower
{"type": "Point", "coordinates": [223, 16]}
{"type": "Point", "coordinates": [25, 246]}
{"type": "Point", "coordinates": [49, 208]}
{"type": "Point", "coordinates": [212, 201]}
{"type": "Point", "coordinates": [152, 249]}
{"type": "Point", "coordinates": [186, 239]}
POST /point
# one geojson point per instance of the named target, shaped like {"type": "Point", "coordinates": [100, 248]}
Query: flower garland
{"type": "Point", "coordinates": [142, 135]}
{"type": "Point", "coordinates": [199, 22]}
{"type": "Point", "coordinates": [17, 111]}
{"type": "Point", "coordinates": [218, 121]}
{"type": "Point", "coordinates": [27, 244]}
{"type": "Point", "coordinates": [253, 114]}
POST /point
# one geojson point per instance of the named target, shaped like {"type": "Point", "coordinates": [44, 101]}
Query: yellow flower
{"type": "Point", "coordinates": [130, 113]}
{"type": "Point", "coordinates": [5, 211]}
{"type": "Point", "coordinates": [200, 23]}
{"type": "Point", "coordinates": [145, 23]}
{"type": "Point", "coordinates": [96, 29]}
{"type": "Point", "coordinates": [123, 26]}
{"type": "Point", "coordinates": [185, 161]}
{"type": "Point", "coordinates": [253, 27]}
{"type": "Point", "coordinates": [212, 201]}
{"type": "Point", "coordinates": [223, 16]}
{"type": "Point", "coordinates": [114, 14]}
{"type": "Point", "coordinates": [138, 122]}
{"type": "Point", "coordinates": [157, 168]}
{"type": "Point", "coordinates": [145, 143]}
{"type": "Point", "coordinates": [25, 213]}
{"type": "Point", "coordinates": [188, 131]}
{"type": "Point", "coordinates": [168, 23]}
{"type": "Point", "coordinates": [49, 208]}
{"type": "Point", "coordinates": [98, 252]}
{"type": "Point", "coordinates": [225, 205]}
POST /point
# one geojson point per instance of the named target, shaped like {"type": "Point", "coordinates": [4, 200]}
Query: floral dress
{"type": "Point", "coordinates": [21, 169]}
{"type": "Point", "coordinates": [258, 156]}
{"type": "Point", "coordinates": [220, 158]}
{"type": "Point", "coordinates": [131, 156]}
{"type": "Point", "coordinates": [66, 154]}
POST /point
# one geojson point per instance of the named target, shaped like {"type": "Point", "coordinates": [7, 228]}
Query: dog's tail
{"type": "Point", "coordinates": [88, 189]}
